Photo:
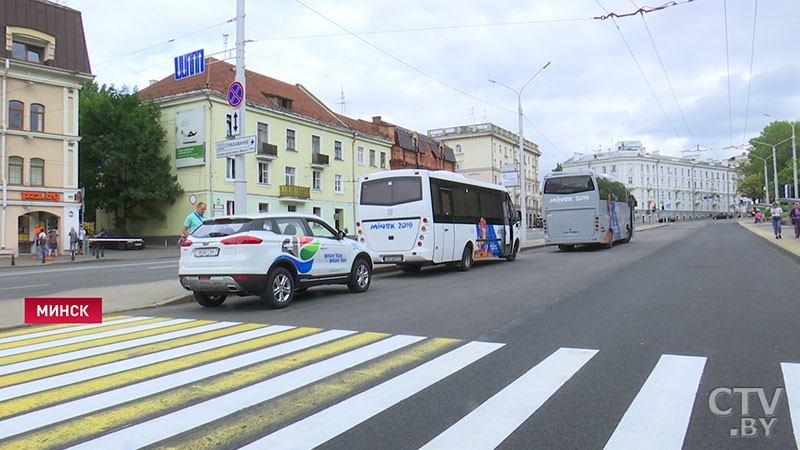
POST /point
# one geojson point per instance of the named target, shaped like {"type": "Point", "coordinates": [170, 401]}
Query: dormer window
{"type": "Point", "coordinates": [281, 102]}
{"type": "Point", "coordinates": [31, 45]}
{"type": "Point", "coordinates": [27, 52]}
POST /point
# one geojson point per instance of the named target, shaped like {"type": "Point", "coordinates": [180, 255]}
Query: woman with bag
{"type": "Point", "coordinates": [795, 215]}
{"type": "Point", "coordinates": [776, 213]}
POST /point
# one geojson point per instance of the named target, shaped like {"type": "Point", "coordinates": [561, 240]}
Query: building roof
{"type": "Point", "coordinates": [56, 20]}
{"type": "Point", "coordinates": [260, 90]}
{"type": "Point", "coordinates": [580, 158]}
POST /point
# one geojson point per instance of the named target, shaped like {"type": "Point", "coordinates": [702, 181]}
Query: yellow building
{"type": "Point", "coordinates": [308, 157]}
{"type": "Point", "coordinates": [43, 63]}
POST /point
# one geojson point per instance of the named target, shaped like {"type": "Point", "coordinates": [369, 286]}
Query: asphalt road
{"type": "Point", "coordinates": [646, 345]}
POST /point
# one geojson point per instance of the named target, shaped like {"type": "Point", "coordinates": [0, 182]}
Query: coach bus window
{"type": "Point", "coordinates": [568, 185]}
{"type": "Point", "coordinates": [391, 191]}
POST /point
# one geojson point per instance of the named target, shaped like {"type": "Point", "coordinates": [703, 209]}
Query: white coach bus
{"type": "Point", "coordinates": [583, 207]}
{"type": "Point", "coordinates": [414, 217]}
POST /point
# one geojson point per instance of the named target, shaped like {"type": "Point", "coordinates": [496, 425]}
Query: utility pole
{"type": "Point", "coordinates": [240, 181]}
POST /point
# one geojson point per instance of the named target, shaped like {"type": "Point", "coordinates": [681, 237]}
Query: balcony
{"type": "Point", "coordinates": [319, 161]}
{"type": "Point", "coordinates": [268, 151]}
{"type": "Point", "coordinates": [302, 192]}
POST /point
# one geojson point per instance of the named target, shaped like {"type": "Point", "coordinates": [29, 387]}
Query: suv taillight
{"type": "Point", "coordinates": [186, 243]}
{"type": "Point", "coordinates": [236, 240]}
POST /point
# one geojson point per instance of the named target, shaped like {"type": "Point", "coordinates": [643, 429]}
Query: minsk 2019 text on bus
{"type": "Point", "coordinates": [416, 217]}
{"type": "Point", "coordinates": [583, 207]}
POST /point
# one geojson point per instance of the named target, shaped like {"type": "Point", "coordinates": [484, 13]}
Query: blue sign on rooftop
{"type": "Point", "coordinates": [190, 64]}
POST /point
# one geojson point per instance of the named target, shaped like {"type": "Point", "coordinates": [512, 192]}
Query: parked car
{"type": "Point", "coordinates": [110, 239]}
{"type": "Point", "coordinates": [722, 216]}
{"type": "Point", "coordinates": [272, 255]}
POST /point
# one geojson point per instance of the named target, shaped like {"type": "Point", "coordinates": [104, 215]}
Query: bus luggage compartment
{"type": "Point", "coordinates": [391, 235]}
{"type": "Point", "coordinates": [570, 225]}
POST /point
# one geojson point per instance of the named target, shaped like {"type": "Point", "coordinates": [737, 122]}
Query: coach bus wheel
{"type": "Point", "coordinates": [627, 235]}
{"type": "Point", "coordinates": [513, 255]}
{"type": "Point", "coordinates": [466, 259]}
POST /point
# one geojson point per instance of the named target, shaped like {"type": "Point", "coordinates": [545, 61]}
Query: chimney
{"type": "Point", "coordinates": [376, 120]}
{"type": "Point", "coordinates": [152, 82]}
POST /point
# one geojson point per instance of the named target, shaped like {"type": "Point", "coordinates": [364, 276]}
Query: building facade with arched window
{"type": "Point", "coordinates": [42, 64]}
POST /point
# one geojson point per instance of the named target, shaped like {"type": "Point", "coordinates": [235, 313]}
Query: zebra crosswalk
{"type": "Point", "coordinates": [134, 382]}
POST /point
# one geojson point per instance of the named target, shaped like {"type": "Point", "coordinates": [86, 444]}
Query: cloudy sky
{"type": "Point", "coordinates": [696, 74]}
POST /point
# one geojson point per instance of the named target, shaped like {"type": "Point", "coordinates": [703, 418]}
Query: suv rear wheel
{"type": "Point", "coordinates": [360, 276]}
{"type": "Point", "coordinates": [279, 291]}
{"type": "Point", "coordinates": [209, 300]}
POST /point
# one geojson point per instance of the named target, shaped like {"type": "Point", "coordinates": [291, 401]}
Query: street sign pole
{"type": "Point", "coordinates": [240, 182]}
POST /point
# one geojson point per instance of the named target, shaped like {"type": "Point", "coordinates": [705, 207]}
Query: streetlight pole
{"type": "Point", "coordinates": [766, 187]}
{"type": "Point", "coordinates": [523, 201]}
{"type": "Point", "coordinates": [794, 156]}
{"type": "Point", "coordinates": [774, 164]}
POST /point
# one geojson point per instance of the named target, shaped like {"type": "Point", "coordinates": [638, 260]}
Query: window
{"type": "Point", "coordinates": [459, 165]}
{"type": "Point", "coordinates": [15, 112]}
{"type": "Point", "coordinates": [15, 170]}
{"type": "Point", "coordinates": [263, 207]}
{"type": "Point", "coordinates": [230, 207]}
{"type": "Point", "coordinates": [317, 212]}
{"type": "Point", "coordinates": [37, 117]}
{"type": "Point", "coordinates": [383, 160]}
{"type": "Point", "coordinates": [316, 180]}
{"type": "Point", "coordinates": [27, 52]}
{"type": "Point", "coordinates": [338, 183]}
{"type": "Point", "coordinates": [337, 150]}
{"type": "Point", "coordinates": [263, 133]}
{"type": "Point", "coordinates": [290, 140]}
{"type": "Point", "coordinates": [230, 169]}
{"type": "Point", "coordinates": [458, 148]}
{"type": "Point", "coordinates": [372, 158]}
{"type": "Point", "coordinates": [289, 176]}
{"type": "Point", "coordinates": [391, 191]}
{"type": "Point", "coordinates": [316, 143]}
{"type": "Point", "coordinates": [264, 173]}
{"type": "Point", "coordinates": [319, 229]}
{"type": "Point", "coordinates": [292, 208]}
{"type": "Point", "coordinates": [360, 155]}
{"type": "Point", "coordinates": [37, 172]}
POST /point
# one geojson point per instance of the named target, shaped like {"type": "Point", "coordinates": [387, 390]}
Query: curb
{"type": "Point", "coordinates": [773, 242]}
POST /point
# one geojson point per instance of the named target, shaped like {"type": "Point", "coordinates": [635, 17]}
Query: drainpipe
{"type": "Point", "coordinates": [4, 163]}
{"type": "Point", "coordinates": [209, 149]}
{"type": "Point", "coordinates": [355, 181]}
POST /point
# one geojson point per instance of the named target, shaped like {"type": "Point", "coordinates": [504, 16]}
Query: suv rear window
{"type": "Point", "coordinates": [391, 191]}
{"type": "Point", "coordinates": [222, 227]}
{"type": "Point", "coordinates": [568, 185]}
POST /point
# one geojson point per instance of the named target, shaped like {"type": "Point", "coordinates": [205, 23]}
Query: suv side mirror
{"type": "Point", "coordinates": [518, 216]}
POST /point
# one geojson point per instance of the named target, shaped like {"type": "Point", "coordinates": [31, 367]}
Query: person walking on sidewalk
{"type": "Point", "coordinates": [193, 221]}
{"type": "Point", "coordinates": [776, 213]}
{"type": "Point", "coordinates": [41, 241]}
{"type": "Point", "coordinates": [795, 215]}
{"type": "Point", "coordinates": [73, 240]}
{"type": "Point", "coordinates": [758, 216]}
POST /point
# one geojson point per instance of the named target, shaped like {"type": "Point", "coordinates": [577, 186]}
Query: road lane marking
{"type": "Point", "coordinates": [791, 380]}
{"type": "Point", "coordinates": [49, 330]}
{"type": "Point", "coordinates": [63, 411]}
{"type": "Point", "coordinates": [32, 395]}
{"type": "Point", "coordinates": [329, 423]}
{"type": "Point", "coordinates": [93, 267]}
{"type": "Point", "coordinates": [24, 287]}
{"type": "Point", "coordinates": [85, 336]}
{"type": "Point", "coordinates": [659, 415]}
{"type": "Point", "coordinates": [168, 425]}
{"type": "Point", "coordinates": [87, 354]}
{"type": "Point", "coordinates": [492, 422]}
{"type": "Point", "coordinates": [266, 417]}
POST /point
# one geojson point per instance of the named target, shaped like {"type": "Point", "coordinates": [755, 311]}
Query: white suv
{"type": "Point", "coordinates": [272, 255]}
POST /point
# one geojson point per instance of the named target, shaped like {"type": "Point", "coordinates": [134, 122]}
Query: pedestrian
{"type": "Point", "coordinates": [795, 215]}
{"type": "Point", "coordinates": [73, 240]}
{"type": "Point", "coordinates": [41, 241]}
{"type": "Point", "coordinates": [81, 239]}
{"type": "Point", "coordinates": [776, 213]}
{"type": "Point", "coordinates": [52, 241]}
{"type": "Point", "coordinates": [193, 221]}
{"type": "Point", "coordinates": [759, 216]}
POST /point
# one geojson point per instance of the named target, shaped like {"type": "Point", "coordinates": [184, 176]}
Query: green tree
{"type": "Point", "coordinates": [559, 168]}
{"type": "Point", "coordinates": [121, 166]}
{"type": "Point", "coordinates": [779, 133]}
{"type": "Point", "coordinates": [752, 186]}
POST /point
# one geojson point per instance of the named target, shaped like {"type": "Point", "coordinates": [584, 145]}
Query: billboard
{"type": "Point", "coordinates": [190, 140]}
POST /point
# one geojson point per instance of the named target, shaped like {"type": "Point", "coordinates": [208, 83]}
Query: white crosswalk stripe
{"type": "Point", "coordinates": [180, 385]}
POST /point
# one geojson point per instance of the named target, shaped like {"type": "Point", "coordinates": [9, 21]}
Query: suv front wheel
{"type": "Point", "coordinates": [279, 291]}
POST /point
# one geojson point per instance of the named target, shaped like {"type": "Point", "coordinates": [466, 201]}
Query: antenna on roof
{"type": "Point", "coordinates": [342, 102]}
{"type": "Point", "coordinates": [472, 113]}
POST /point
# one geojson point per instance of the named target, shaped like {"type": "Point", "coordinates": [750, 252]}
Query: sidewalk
{"type": "Point", "coordinates": [788, 243]}
{"type": "Point", "coordinates": [118, 299]}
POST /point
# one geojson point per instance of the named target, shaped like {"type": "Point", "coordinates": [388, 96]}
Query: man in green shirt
{"type": "Point", "coordinates": [194, 220]}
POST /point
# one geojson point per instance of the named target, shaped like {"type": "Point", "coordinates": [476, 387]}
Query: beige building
{"type": "Point", "coordinates": [485, 151]}
{"type": "Point", "coordinates": [43, 63]}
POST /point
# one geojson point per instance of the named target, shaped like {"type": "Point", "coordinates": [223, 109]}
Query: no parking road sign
{"type": "Point", "coordinates": [235, 94]}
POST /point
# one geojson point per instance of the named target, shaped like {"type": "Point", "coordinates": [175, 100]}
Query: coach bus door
{"type": "Point", "coordinates": [444, 230]}
{"type": "Point", "coordinates": [509, 219]}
